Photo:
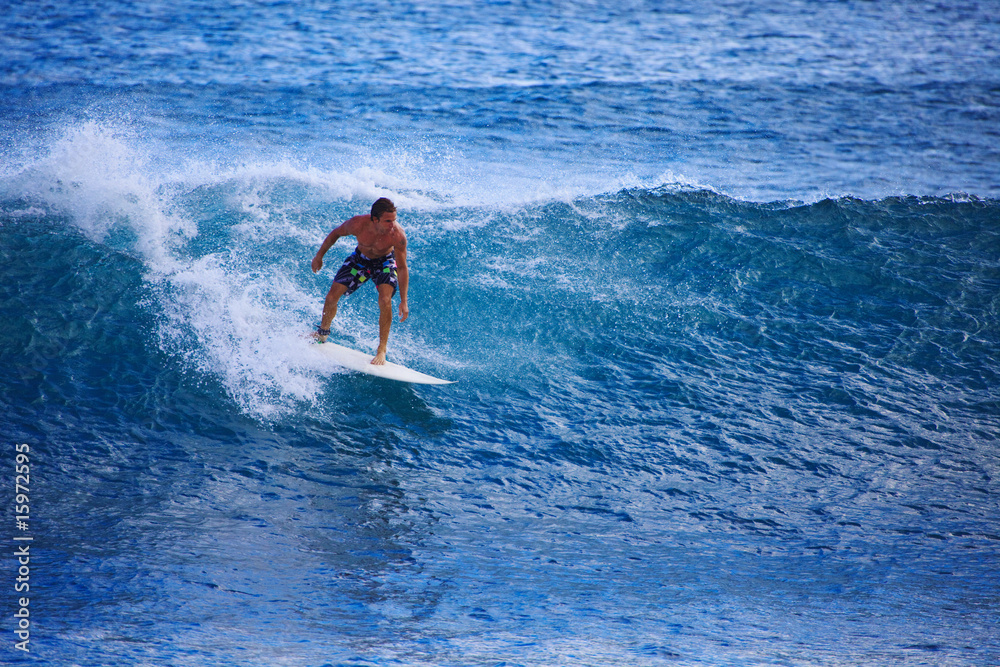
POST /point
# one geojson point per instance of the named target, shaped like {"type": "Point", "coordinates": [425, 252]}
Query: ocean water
{"type": "Point", "coordinates": [719, 284]}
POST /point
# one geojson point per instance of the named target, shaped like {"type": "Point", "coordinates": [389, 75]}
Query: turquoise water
{"type": "Point", "coordinates": [719, 286]}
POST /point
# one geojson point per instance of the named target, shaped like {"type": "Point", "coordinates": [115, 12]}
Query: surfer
{"type": "Point", "coordinates": [380, 257]}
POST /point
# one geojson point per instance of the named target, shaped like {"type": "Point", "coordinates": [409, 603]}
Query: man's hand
{"type": "Point", "coordinates": [317, 264]}
{"type": "Point", "coordinates": [404, 311]}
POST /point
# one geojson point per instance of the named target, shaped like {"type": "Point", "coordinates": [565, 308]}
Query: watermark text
{"type": "Point", "coordinates": [22, 545]}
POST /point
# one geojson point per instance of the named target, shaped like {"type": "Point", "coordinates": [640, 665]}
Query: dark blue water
{"type": "Point", "coordinates": [720, 286]}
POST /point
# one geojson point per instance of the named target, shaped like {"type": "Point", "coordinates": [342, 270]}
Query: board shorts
{"type": "Point", "coordinates": [358, 269]}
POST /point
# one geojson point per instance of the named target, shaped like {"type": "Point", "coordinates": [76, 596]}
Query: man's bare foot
{"type": "Point", "coordinates": [320, 335]}
{"type": "Point", "coordinates": [379, 359]}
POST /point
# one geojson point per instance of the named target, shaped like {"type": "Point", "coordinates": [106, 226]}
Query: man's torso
{"type": "Point", "coordinates": [374, 245]}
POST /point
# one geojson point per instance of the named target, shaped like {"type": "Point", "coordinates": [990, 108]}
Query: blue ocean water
{"type": "Point", "coordinates": [719, 283]}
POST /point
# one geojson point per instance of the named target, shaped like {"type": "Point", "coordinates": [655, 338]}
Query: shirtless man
{"type": "Point", "coordinates": [379, 257]}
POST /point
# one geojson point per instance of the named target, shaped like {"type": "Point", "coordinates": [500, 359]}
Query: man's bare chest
{"type": "Point", "coordinates": [373, 244]}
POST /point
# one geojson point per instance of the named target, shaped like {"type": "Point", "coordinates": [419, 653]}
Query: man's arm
{"type": "Point", "coordinates": [345, 229]}
{"type": "Point", "coordinates": [403, 276]}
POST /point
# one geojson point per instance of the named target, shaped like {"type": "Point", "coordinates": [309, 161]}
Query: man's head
{"type": "Point", "coordinates": [382, 206]}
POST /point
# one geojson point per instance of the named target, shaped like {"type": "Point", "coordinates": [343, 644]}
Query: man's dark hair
{"type": "Point", "coordinates": [382, 205]}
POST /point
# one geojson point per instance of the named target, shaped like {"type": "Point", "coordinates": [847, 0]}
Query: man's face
{"type": "Point", "coordinates": [384, 223]}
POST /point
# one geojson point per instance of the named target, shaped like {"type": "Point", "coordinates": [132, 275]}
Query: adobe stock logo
{"type": "Point", "coordinates": [22, 515]}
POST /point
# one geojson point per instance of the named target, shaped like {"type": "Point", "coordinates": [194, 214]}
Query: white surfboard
{"type": "Point", "coordinates": [359, 361]}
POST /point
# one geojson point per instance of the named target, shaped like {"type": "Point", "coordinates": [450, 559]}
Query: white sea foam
{"type": "Point", "coordinates": [96, 176]}
{"type": "Point", "coordinates": [239, 321]}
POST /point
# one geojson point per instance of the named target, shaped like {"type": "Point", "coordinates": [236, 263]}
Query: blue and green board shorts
{"type": "Point", "coordinates": [358, 269]}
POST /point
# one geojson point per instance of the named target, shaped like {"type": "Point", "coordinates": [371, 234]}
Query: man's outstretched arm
{"type": "Point", "coordinates": [403, 277]}
{"type": "Point", "coordinates": [345, 229]}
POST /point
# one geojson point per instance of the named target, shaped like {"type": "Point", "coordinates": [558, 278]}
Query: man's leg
{"type": "Point", "coordinates": [385, 293]}
{"type": "Point", "coordinates": [337, 290]}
